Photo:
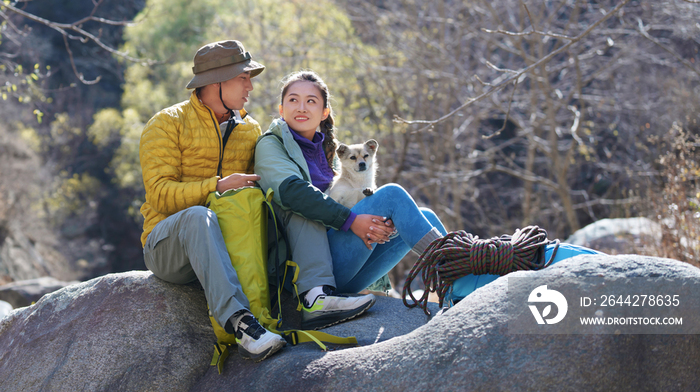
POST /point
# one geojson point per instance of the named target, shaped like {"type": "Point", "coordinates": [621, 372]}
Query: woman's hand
{"type": "Point", "coordinates": [235, 181]}
{"type": "Point", "coordinates": [390, 225]}
{"type": "Point", "coordinates": [372, 229]}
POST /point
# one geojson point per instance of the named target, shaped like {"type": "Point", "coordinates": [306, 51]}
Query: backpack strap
{"type": "Point", "coordinates": [221, 353]}
{"type": "Point", "coordinates": [297, 336]}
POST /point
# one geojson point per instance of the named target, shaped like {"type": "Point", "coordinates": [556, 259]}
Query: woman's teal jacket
{"type": "Point", "coordinates": [281, 165]}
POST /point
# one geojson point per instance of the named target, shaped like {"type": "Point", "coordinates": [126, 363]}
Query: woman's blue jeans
{"type": "Point", "coordinates": [354, 265]}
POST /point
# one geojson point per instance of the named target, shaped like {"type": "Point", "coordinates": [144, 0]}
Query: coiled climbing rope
{"type": "Point", "coordinates": [460, 253]}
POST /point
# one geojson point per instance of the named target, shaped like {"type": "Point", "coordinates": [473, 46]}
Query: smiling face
{"type": "Point", "coordinates": [303, 108]}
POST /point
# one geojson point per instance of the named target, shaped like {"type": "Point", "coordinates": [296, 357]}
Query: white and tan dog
{"type": "Point", "coordinates": [357, 173]}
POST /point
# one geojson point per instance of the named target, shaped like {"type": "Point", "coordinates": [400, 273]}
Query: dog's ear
{"type": "Point", "coordinates": [372, 145]}
{"type": "Point", "coordinates": [342, 150]}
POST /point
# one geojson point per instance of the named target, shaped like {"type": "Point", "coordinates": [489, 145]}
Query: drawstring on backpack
{"type": "Point", "coordinates": [460, 253]}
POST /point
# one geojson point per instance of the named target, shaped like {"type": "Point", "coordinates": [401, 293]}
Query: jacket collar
{"type": "Point", "coordinates": [280, 128]}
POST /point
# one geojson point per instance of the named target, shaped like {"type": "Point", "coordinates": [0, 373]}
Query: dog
{"type": "Point", "coordinates": [357, 173]}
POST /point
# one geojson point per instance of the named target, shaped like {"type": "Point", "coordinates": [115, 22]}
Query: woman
{"type": "Point", "coordinates": [351, 248]}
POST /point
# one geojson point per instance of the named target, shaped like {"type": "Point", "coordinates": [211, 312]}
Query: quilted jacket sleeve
{"type": "Point", "coordinates": [161, 161]}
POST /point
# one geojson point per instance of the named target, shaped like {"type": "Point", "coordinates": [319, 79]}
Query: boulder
{"type": "Point", "coordinates": [469, 347]}
{"type": "Point", "coordinates": [619, 236]}
{"type": "Point", "coordinates": [24, 292]}
{"type": "Point", "coordinates": [132, 331]}
{"type": "Point", "coordinates": [128, 332]}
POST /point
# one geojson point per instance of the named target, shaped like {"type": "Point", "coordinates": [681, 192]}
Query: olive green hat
{"type": "Point", "coordinates": [220, 61]}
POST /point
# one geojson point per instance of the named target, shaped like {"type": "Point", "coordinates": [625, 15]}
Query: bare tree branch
{"type": "Point", "coordinates": [505, 120]}
{"type": "Point", "coordinates": [525, 34]}
{"type": "Point", "coordinates": [646, 35]}
{"type": "Point", "coordinates": [75, 70]}
{"type": "Point", "coordinates": [495, 68]}
{"type": "Point", "coordinates": [503, 84]}
{"type": "Point", "coordinates": [12, 25]}
{"type": "Point", "coordinates": [574, 126]}
{"type": "Point", "coordinates": [67, 30]}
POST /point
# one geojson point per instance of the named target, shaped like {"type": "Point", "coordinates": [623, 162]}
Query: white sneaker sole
{"type": "Point", "coordinates": [333, 318]}
{"type": "Point", "coordinates": [277, 344]}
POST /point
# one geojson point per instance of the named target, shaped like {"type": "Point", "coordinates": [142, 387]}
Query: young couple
{"type": "Point", "coordinates": [209, 143]}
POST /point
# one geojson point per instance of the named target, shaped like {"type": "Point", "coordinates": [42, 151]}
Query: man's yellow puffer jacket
{"type": "Point", "coordinates": [182, 159]}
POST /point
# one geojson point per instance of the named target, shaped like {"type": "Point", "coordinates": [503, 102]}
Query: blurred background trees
{"type": "Point", "coordinates": [496, 114]}
{"type": "Point", "coordinates": [67, 202]}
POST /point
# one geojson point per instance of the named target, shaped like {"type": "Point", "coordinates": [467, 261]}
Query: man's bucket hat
{"type": "Point", "coordinates": [220, 61]}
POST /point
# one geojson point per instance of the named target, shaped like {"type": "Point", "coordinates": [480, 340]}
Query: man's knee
{"type": "Point", "coordinates": [183, 275]}
{"type": "Point", "coordinates": [199, 216]}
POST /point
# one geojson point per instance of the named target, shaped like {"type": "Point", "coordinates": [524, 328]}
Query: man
{"type": "Point", "coordinates": [189, 150]}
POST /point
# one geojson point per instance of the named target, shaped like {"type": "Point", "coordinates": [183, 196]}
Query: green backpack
{"type": "Point", "coordinates": [247, 220]}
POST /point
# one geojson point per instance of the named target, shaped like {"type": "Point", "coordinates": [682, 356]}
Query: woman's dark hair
{"type": "Point", "coordinates": [330, 143]}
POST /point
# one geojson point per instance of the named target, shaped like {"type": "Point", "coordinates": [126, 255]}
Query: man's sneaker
{"type": "Point", "coordinates": [254, 341]}
{"type": "Point", "coordinates": [329, 309]}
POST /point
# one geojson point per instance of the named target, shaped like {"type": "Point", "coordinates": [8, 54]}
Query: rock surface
{"type": "Point", "coordinates": [128, 332]}
{"type": "Point", "coordinates": [134, 332]}
{"type": "Point", "coordinates": [618, 236]}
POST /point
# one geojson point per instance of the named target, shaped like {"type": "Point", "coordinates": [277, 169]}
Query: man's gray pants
{"type": "Point", "coordinates": [188, 245]}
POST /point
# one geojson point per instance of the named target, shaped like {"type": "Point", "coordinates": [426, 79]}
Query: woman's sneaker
{"type": "Point", "coordinates": [330, 309]}
{"type": "Point", "coordinates": [254, 341]}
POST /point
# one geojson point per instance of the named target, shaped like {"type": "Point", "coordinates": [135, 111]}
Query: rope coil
{"type": "Point", "coordinates": [459, 253]}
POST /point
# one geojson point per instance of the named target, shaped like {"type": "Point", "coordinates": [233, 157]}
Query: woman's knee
{"type": "Point", "coordinates": [392, 191]}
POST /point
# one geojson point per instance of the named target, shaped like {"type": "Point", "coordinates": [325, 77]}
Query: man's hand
{"type": "Point", "coordinates": [372, 229]}
{"type": "Point", "coordinates": [236, 181]}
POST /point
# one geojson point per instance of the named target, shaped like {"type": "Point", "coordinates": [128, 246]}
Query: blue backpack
{"type": "Point", "coordinates": [468, 283]}
{"type": "Point", "coordinates": [458, 263]}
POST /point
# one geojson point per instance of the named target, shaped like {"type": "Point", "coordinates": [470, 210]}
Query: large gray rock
{"type": "Point", "coordinates": [619, 236]}
{"type": "Point", "coordinates": [128, 332]}
{"type": "Point", "coordinates": [469, 347]}
{"type": "Point", "coordinates": [134, 332]}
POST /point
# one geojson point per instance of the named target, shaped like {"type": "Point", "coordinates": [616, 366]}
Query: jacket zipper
{"type": "Point", "coordinates": [222, 145]}
{"type": "Point", "coordinates": [218, 134]}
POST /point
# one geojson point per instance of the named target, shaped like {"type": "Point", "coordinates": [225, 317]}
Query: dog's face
{"type": "Point", "coordinates": [359, 157]}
